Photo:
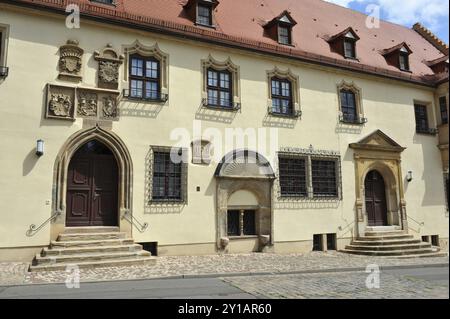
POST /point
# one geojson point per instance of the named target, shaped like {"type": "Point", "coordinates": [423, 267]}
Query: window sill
{"type": "Point", "coordinates": [205, 25]}
{"type": "Point", "coordinates": [406, 71]}
{"type": "Point", "coordinates": [234, 108]}
{"type": "Point", "coordinates": [243, 237]}
{"type": "Point", "coordinates": [168, 202]}
{"type": "Point", "coordinates": [162, 99]}
{"type": "Point", "coordinates": [431, 131]}
{"type": "Point", "coordinates": [296, 115]}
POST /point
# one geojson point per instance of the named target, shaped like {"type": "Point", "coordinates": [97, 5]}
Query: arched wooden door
{"type": "Point", "coordinates": [92, 187]}
{"type": "Point", "coordinates": [376, 206]}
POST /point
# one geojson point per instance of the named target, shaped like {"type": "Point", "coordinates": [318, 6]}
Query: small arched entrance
{"type": "Point", "coordinates": [92, 187]}
{"type": "Point", "coordinates": [375, 199]}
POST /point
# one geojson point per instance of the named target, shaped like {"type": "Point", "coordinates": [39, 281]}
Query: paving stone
{"type": "Point", "coordinates": [16, 273]}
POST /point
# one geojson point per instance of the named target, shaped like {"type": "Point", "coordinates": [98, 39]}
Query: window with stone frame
{"type": "Point", "coordinates": [144, 78]}
{"type": "Point", "coordinates": [308, 174]}
{"type": "Point", "coordinates": [350, 104]}
{"type": "Point", "coordinates": [220, 88]}
{"type": "Point", "coordinates": [169, 175]}
{"type": "Point", "coordinates": [282, 97]}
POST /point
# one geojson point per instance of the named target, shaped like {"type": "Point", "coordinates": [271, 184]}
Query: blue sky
{"type": "Point", "coordinates": [434, 14]}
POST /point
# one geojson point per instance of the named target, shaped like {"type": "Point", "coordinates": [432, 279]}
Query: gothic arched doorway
{"type": "Point", "coordinates": [376, 205]}
{"type": "Point", "coordinates": [92, 187]}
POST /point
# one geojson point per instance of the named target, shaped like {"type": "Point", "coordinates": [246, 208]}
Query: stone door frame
{"type": "Point", "coordinates": [125, 167]}
{"type": "Point", "coordinates": [379, 152]}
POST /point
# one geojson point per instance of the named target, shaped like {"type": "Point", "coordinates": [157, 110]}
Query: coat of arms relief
{"type": "Point", "coordinates": [109, 62]}
{"type": "Point", "coordinates": [70, 61]}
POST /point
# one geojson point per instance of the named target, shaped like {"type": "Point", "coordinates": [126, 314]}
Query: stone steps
{"type": "Point", "coordinates": [89, 248]}
{"type": "Point", "coordinates": [77, 230]}
{"type": "Point", "coordinates": [90, 243]}
{"type": "Point", "coordinates": [401, 252]}
{"type": "Point", "coordinates": [388, 247]}
{"type": "Point", "coordinates": [69, 259]}
{"type": "Point", "coordinates": [385, 242]}
{"type": "Point", "coordinates": [91, 236]}
{"type": "Point", "coordinates": [93, 249]}
{"type": "Point", "coordinates": [136, 261]}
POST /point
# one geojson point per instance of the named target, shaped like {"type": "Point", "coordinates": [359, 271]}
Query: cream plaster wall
{"type": "Point", "coordinates": [26, 181]}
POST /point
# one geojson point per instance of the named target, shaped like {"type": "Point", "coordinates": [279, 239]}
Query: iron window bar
{"type": "Point", "coordinates": [142, 227]}
{"type": "Point", "coordinates": [358, 120]}
{"type": "Point", "coordinates": [295, 114]}
{"type": "Point", "coordinates": [4, 71]}
{"type": "Point", "coordinates": [233, 106]}
{"type": "Point", "coordinates": [430, 131]}
{"type": "Point", "coordinates": [33, 229]}
{"type": "Point", "coordinates": [160, 97]}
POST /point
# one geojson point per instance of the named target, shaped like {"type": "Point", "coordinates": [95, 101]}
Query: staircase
{"type": "Point", "coordinates": [392, 243]}
{"type": "Point", "coordinates": [89, 247]}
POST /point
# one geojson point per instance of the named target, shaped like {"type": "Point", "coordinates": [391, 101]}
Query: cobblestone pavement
{"type": "Point", "coordinates": [16, 273]}
{"type": "Point", "coordinates": [343, 285]}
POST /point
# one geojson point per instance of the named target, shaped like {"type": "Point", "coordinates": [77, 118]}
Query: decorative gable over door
{"type": "Point", "coordinates": [379, 152]}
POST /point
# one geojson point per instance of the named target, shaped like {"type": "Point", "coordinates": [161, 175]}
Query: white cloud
{"type": "Point", "coordinates": [432, 13]}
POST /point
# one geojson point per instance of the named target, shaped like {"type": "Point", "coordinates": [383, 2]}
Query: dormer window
{"type": "Point", "coordinates": [344, 43]}
{"type": "Point", "coordinates": [439, 65]}
{"type": "Point", "coordinates": [398, 56]}
{"type": "Point", "coordinates": [280, 28]}
{"type": "Point", "coordinates": [201, 11]}
{"type": "Point", "coordinates": [350, 46]}
{"type": "Point", "coordinates": [284, 35]}
{"type": "Point", "coordinates": [204, 15]}
{"type": "Point", "coordinates": [404, 59]}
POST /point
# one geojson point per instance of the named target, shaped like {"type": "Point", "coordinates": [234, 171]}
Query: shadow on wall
{"type": "Point", "coordinates": [139, 109]}
{"type": "Point", "coordinates": [279, 122]}
{"type": "Point", "coordinates": [343, 128]}
{"type": "Point", "coordinates": [211, 115]}
{"type": "Point", "coordinates": [29, 162]}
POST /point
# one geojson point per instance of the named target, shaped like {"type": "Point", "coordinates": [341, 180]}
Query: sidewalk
{"type": "Point", "coordinates": [188, 266]}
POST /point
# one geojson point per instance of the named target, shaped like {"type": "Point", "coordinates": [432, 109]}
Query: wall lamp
{"type": "Point", "coordinates": [409, 176]}
{"type": "Point", "coordinates": [40, 148]}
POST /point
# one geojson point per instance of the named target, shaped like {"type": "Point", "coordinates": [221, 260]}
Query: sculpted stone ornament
{"type": "Point", "coordinates": [87, 105]}
{"type": "Point", "coordinates": [109, 62]}
{"type": "Point", "coordinates": [70, 61]}
{"type": "Point", "coordinates": [109, 107]}
{"type": "Point", "coordinates": [60, 105]}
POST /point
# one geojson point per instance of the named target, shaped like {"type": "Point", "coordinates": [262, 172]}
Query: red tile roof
{"type": "Point", "coordinates": [240, 24]}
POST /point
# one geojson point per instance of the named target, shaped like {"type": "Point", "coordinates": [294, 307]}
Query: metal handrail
{"type": "Point", "coordinates": [33, 229]}
{"type": "Point", "coordinates": [418, 223]}
{"type": "Point", "coordinates": [142, 227]}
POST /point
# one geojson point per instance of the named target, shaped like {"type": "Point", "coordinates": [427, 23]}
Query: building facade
{"type": "Point", "coordinates": [221, 129]}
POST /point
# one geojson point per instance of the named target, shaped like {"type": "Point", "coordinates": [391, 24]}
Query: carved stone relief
{"type": "Point", "coordinates": [70, 61]}
{"type": "Point", "coordinates": [60, 102]}
{"type": "Point", "coordinates": [109, 107]}
{"type": "Point", "coordinates": [109, 62]}
{"type": "Point", "coordinates": [87, 104]}
{"type": "Point", "coordinates": [65, 102]}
